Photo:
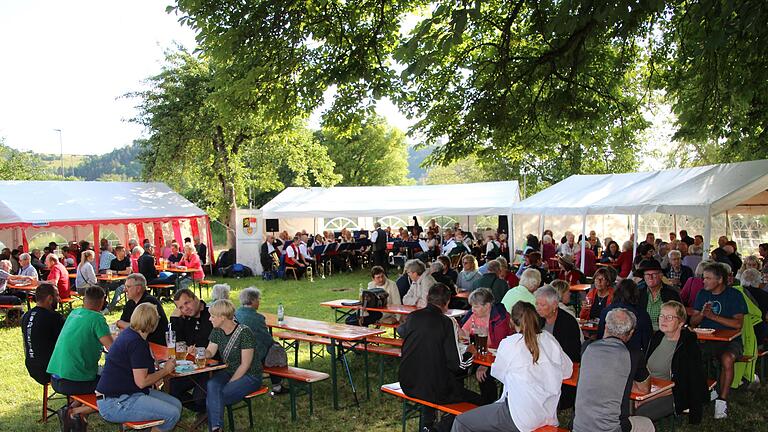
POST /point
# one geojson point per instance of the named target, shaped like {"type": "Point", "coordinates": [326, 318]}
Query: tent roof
{"type": "Point", "coordinates": [41, 202]}
{"type": "Point", "coordinates": [492, 198]}
{"type": "Point", "coordinates": [695, 191]}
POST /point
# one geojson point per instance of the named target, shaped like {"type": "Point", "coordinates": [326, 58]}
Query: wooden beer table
{"type": "Point", "coordinates": [29, 288]}
{"type": "Point", "coordinates": [343, 339]}
{"type": "Point", "coordinates": [343, 310]}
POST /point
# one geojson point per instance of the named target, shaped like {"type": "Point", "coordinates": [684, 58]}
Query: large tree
{"type": "Point", "coordinates": [552, 87]}
{"type": "Point", "coordinates": [369, 154]}
{"type": "Point", "coordinates": [214, 150]}
{"type": "Point", "coordinates": [16, 165]}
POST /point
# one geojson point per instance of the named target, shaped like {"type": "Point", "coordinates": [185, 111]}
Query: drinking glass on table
{"type": "Point", "coordinates": [587, 303]}
{"type": "Point", "coordinates": [200, 357]}
{"type": "Point", "coordinates": [181, 350]}
{"type": "Point", "coordinates": [170, 343]}
{"type": "Point", "coordinates": [481, 340]}
{"type": "Point", "coordinates": [114, 330]}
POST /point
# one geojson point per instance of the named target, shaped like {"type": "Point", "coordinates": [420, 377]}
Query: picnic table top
{"type": "Point", "coordinates": [113, 278]}
{"type": "Point", "coordinates": [393, 309]}
{"type": "Point", "coordinates": [579, 287]}
{"type": "Point", "coordinates": [160, 352]}
{"type": "Point", "coordinates": [174, 269]}
{"type": "Point", "coordinates": [719, 335]}
{"type": "Point", "coordinates": [338, 331]}
{"type": "Point", "coordinates": [31, 286]}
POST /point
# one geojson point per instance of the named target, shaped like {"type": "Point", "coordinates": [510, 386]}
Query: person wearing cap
{"type": "Point", "coordinates": [653, 292]}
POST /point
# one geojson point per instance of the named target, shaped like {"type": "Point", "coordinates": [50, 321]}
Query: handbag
{"type": "Point", "coordinates": [374, 298]}
{"type": "Point", "coordinates": [276, 356]}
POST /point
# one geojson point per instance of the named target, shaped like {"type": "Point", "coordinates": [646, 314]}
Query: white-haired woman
{"type": "Point", "coordinates": [86, 275]}
{"type": "Point", "coordinates": [220, 292]}
{"type": "Point", "coordinates": [529, 282]}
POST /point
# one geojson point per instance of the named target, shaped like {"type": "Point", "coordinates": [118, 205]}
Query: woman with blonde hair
{"type": "Point", "coordinates": [129, 374]}
{"type": "Point", "coordinates": [532, 366]}
{"type": "Point", "coordinates": [239, 350]}
{"type": "Point", "coordinates": [468, 276]}
{"type": "Point", "coordinates": [86, 275]}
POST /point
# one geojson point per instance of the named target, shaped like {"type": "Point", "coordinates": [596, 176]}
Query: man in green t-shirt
{"type": "Point", "coordinates": [74, 365]}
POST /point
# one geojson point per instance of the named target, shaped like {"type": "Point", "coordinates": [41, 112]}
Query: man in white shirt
{"type": "Point", "coordinates": [304, 252]}
{"type": "Point", "coordinates": [26, 268]}
{"type": "Point", "coordinates": [449, 243]}
{"type": "Point", "coordinates": [420, 285]}
{"type": "Point", "coordinates": [569, 247]}
{"type": "Point", "coordinates": [105, 258]}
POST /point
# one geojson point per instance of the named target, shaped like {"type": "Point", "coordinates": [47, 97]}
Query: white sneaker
{"type": "Point", "coordinates": [721, 409]}
{"type": "Point", "coordinates": [713, 395]}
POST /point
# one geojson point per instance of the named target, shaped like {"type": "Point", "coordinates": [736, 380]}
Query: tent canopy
{"type": "Point", "coordinates": [29, 203]}
{"type": "Point", "coordinates": [492, 198]}
{"type": "Point", "coordinates": [700, 191]}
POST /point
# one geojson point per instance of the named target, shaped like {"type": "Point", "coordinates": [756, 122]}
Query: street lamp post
{"type": "Point", "coordinates": [61, 144]}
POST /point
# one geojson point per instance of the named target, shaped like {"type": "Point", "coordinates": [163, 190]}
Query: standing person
{"type": "Point", "coordinates": [58, 275]}
{"type": "Point", "coordinates": [40, 328]}
{"type": "Point", "coordinates": [74, 365]}
{"type": "Point", "coordinates": [432, 358]}
{"type": "Point", "coordinates": [532, 366]}
{"type": "Point", "coordinates": [601, 404]}
{"type": "Point", "coordinates": [120, 265]}
{"type": "Point", "coordinates": [379, 246]}
{"type": "Point", "coordinates": [247, 314]}
{"type": "Point", "coordinates": [136, 291]}
{"type": "Point", "coordinates": [719, 306]}
{"type": "Point", "coordinates": [124, 392]}
{"type": "Point", "coordinates": [86, 275]}
{"type": "Point", "coordinates": [238, 348]}
{"type": "Point", "coordinates": [674, 354]}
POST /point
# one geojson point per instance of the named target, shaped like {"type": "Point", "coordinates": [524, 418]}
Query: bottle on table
{"type": "Point", "coordinates": [170, 341]}
{"type": "Point", "coordinates": [280, 314]}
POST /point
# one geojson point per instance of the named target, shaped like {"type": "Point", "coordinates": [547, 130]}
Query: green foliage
{"type": "Point", "coordinates": [466, 170]}
{"type": "Point", "coordinates": [16, 165]}
{"type": "Point", "coordinates": [370, 154]}
{"type": "Point", "coordinates": [214, 150]}
{"type": "Point", "coordinates": [121, 164]}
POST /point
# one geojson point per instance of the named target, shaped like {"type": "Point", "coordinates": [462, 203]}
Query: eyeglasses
{"type": "Point", "coordinates": [667, 317]}
{"type": "Point", "coordinates": [652, 274]}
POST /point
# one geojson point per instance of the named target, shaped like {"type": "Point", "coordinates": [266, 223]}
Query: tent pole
{"type": "Point", "coordinates": [707, 234]}
{"type": "Point", "coordinates": [96, 246]}
{"type": "Point", "coordinates": [541, 233]}
{"type": "Point", "coordinates": [637, 229]}
{"type": "Point", "coordinates": [674, 223]}
{"type": "Point", "coordinates": [583, 241]}
{"type": "Point", "coordinates": [510, 236]}
{"type": "Point", "coordinates": [727, 224]}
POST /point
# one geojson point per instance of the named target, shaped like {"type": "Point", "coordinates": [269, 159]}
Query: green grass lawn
{"type": "Point", "coordinates": [20, 396]}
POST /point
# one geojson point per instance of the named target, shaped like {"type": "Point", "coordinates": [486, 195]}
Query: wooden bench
{"type": "Point", "coordinates": [291, 340]}
{"type": "Point", "coordinates": [89, 400]}
{"type": "Point", "coordinates": [12, 314]}
{"type": "Point", "coordinates": [412, 407]}
{"type": "Point", "coordinates": [378, 340]}
{"type": "Point", "coordinates": [159, 289]}
{"type": "Point", "coordinates": [247, 399]}
{"type": "Point", "coordinates": [301, 383]}
{"type": "Point", "coordinates": [69, 302]}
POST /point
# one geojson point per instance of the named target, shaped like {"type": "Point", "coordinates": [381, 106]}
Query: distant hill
{"type": "Point", "coordinates": [415, 158]}
{"type": "Point", "coordinates": [121, 164]}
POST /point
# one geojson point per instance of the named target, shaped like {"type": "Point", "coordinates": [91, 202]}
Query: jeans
{"type": "Point", "coordinates": [180, 389]}
{"type": "Point", "coordinates": [142, 407]}
{"type": "Point", "coordinates": [221, 393]}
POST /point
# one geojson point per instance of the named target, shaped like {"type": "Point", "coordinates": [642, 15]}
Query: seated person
{"type": "Point", "coordinates": [564, 291]}
{"type": "Point", "coordinates": [191, 261]}
{"type": "Point", "coordinates": [611, 254]}
{"type": "Point", "coordinates": [40, 328]}
{"type": "Point", "coordinates": [378, 280]}
{"type": "Point", "coordinates": [403, 284]}
{"type": "Point", "coordinates": [200, 248]}
{"type": "Point", "coordinates": [58, 275]}
{"type": "Point", "coordinates": [136, 292]}
{"type": "Point", "coordinates": [751, 281]}
{"type": "Point", "coordinates": [294, 259]}
{"type": "Point", "coordinates": [548, 249]}
{"type": "Point", "coordinates": [448, 270]}
{"type": "Point", "coordinates": [674, 355]}
{"type": "Point", "coordinates": [694, 284]}
{"type": "Point", "coordinates": [105, 256]}
{"type": "Point", "coordinates": [532, 367]}
{"type": "Point", "coordinates": [86, 274]}
{"type": "Point", "coordinates": [432, 362]}
{"type": "Point", "coordinates": [120, 265]}
{"type": "Point", "coordinates": [653, 292]}
{"type": "Point", "coordinates": [590, 261]}
{"type": "Point", "coordinates": [192, 324]}
{"type": "Point", "coordinates": [492, 317]}
{"type": "Point", "coordinates": [74, 365]}
{"type": "Point", "coordinates": [468, 277]}
{"type": "Point", "coordinates": [175, 256]}
{"type": "Point", "coordinates": [129, 375]}
{"type": "Point", "coordinates": [719, 306]}
{"type": "Point", "coordinates": [568, 271]}
{"type": "Point", "coordinates": [238, 348]}
{"type": "Point", "coordinates": [7, 295]}
{"type": "Point", "coordinates": [436, 270]}
{"type": "Point", "coordinates": [493, 281]}
{"type": "Point", "coordinates": [529, 282]}
{"type": "Point", "coordinates": [510, 277]}
{"type": "Point", "coordinates": [627, 296]}
{"type": "Point", "coordinates": [26, 268]}
{"type": "Point", "coordinates": [421, 282]}
{"type": "Point", "coordinates": [676, 273]}
{"type": "Point", "coordinates": [269, 252]}
{"type": "Point", "coordinates": [492, 246]}
{"type": "Point", "coordinates": [598, 297]}
{"type": "Point", "coordinates": [601, 404]}
{"type": "Point", "coordinates": [247, 314]}
{"type": "Point", "coordinates": [146, 266]}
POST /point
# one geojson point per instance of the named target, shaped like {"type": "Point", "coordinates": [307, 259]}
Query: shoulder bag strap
{"type": "Point", "coordinates": [231, 343]}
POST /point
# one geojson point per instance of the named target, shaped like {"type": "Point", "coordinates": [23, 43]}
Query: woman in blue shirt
{"type": "Point", "coordinates": [124, 392]}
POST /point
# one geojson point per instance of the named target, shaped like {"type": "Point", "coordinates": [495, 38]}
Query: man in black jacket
{"type": "Point", "coordinates": [432, 358]}
{"type": "Point", "coordinates": [653, 293]}
{"type": "Point", "coordinates": [379, 246]}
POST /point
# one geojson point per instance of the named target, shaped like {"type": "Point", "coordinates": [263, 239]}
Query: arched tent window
{"type": "Point", "coordinates": [339, 223]}
{"type": "Point", "coordinates": [2, 245]}
{"type": "Point", "coordinates": [443, 221]}
{"type": "Point", "coordinates": [392, 221]}
{"type": "Point", "coordinates": [41, 240]}
{"type": "Point", "coordinates": [108, 234]}
{"type": "Point", "coordinates": [487, 222]}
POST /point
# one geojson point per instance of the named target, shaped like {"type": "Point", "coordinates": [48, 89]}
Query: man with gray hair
{"type": "Point", "coordinates": [247, 315]}
{"type": "Point", "coordinates": [136, 292]}
{"type": "Point", "coordinates": [493, 281]}
{"type": "Point", "coordinates": [421, 282]}
{"type": "Point", "coordinates": [25, 267]}
{"type": "Point", "coordinates": [605, 363]}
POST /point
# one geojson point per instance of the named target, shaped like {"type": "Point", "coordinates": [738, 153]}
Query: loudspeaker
{"type": "Point", "coordinates": [503, 224]}
{"type": "Point", "coordinates": [273, 225]}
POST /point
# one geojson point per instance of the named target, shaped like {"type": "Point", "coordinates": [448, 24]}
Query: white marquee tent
{"type": "Point", "coordinates": [701, 191]}
{"type": "Point", "coordinates": [77, 209]}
